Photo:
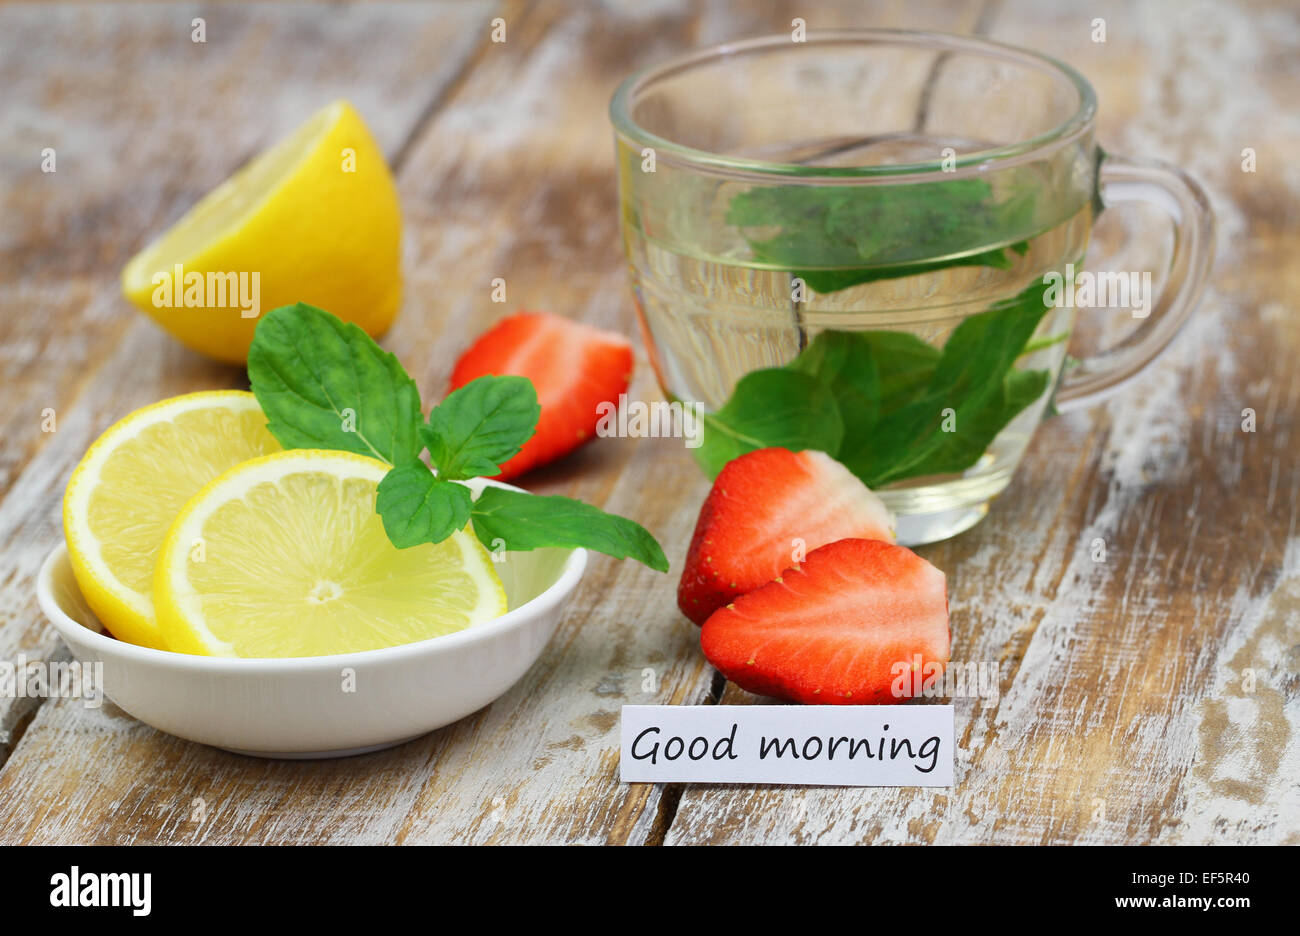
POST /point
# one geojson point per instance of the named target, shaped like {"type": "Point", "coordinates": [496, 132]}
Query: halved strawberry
{"type": "Point", "coordinates": [574, 367]}
{"type": "Point", "coordinates": [767, 510]}
{"type": "Point", "coordinates": [848, 627]}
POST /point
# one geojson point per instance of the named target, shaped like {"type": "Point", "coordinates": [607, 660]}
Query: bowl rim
{"type": "Point", "coordinates": [71, 630]}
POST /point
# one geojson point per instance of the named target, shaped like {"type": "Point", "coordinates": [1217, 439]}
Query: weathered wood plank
{"type": "Point", "coordinates": [1127, 712]}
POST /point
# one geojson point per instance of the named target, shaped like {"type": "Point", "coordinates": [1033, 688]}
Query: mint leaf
{"type": "Point", "coordinates": [870, 373]}
{"type": "Point", "coordinates": [844, 363]}
{"type": "Point", "coordinates": [480, 426]}
{"type": "Point", "coordinates": [418, 507]}
{"type": "Point", "coordinates": [829, 281]}
{"type": "Point", "coordinates": [525, 521]}
{"type": "Point", "coordinates": [834, 237]}
{"type": "Point", "coordinates": [976, 379]}
{"type": "Point", "coordinates": [977, 420]}
{"type": "Point", "coordinates": [324, 383]}
{"type": "Point", "coordinates": [771, 407]}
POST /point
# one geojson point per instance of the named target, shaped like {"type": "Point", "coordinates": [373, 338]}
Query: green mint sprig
{"type": "Point", "coordinates": [876, 400]}
{"type": "Point", "coordinates": [324, 383]}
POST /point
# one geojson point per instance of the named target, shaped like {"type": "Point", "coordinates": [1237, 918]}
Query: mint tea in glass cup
{"type": "Point", "coordinates": [860, 243]}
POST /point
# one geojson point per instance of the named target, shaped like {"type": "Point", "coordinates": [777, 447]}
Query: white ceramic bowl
{"type": "Point", "coordinates": [302, 707]}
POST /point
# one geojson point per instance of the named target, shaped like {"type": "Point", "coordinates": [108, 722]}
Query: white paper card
{"type": "Point", "coordinates": [827, 745]}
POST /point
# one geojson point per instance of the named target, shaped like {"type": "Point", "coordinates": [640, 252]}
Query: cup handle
{"type": "Point", "coordinates": [1157, 183]}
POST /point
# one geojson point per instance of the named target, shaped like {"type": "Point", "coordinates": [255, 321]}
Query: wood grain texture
{"type": "Point", "coordinates": [1125, 709]}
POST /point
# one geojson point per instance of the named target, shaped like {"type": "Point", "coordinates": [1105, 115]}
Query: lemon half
{"type": "Point", "coordinates": [284, 556]}
{"type": "Point", "coordinates": [131, 484]}
{"type": "Point", "coordinates": [313, 219]}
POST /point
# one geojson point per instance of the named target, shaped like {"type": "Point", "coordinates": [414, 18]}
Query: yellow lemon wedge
{"type": "Point", "coordinates": [314, 219]}
{"type": "Point", "coordinates": [131, 484]}
{"type": "Point", "coordinates": [284, 556]}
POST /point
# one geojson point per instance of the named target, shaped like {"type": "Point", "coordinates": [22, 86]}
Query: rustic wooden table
{"type": "Point", "coordinates": [1151, 697]}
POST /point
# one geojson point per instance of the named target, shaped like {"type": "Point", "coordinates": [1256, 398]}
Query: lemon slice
{"type": "Point", "coordinates": [313, 219]}
{"type": "Point", "coordinates": [132, 483]}
{"type": "Point", "coordinates": [284, 556]}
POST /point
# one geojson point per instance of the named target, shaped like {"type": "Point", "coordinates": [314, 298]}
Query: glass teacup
{"type": "Point", "coordinates": [866, 242]}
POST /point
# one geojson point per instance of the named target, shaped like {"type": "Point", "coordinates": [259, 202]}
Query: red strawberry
{"type": "Point", "coordinates": [574, 367]}
{"type": "Point", "coordinates": [767, 510]}
{"type": "Point", "coordinates": [832, 630]}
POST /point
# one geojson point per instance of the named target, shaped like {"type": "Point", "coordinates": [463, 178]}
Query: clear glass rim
{"type": "Point", "coordinates": [1077, 124]}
